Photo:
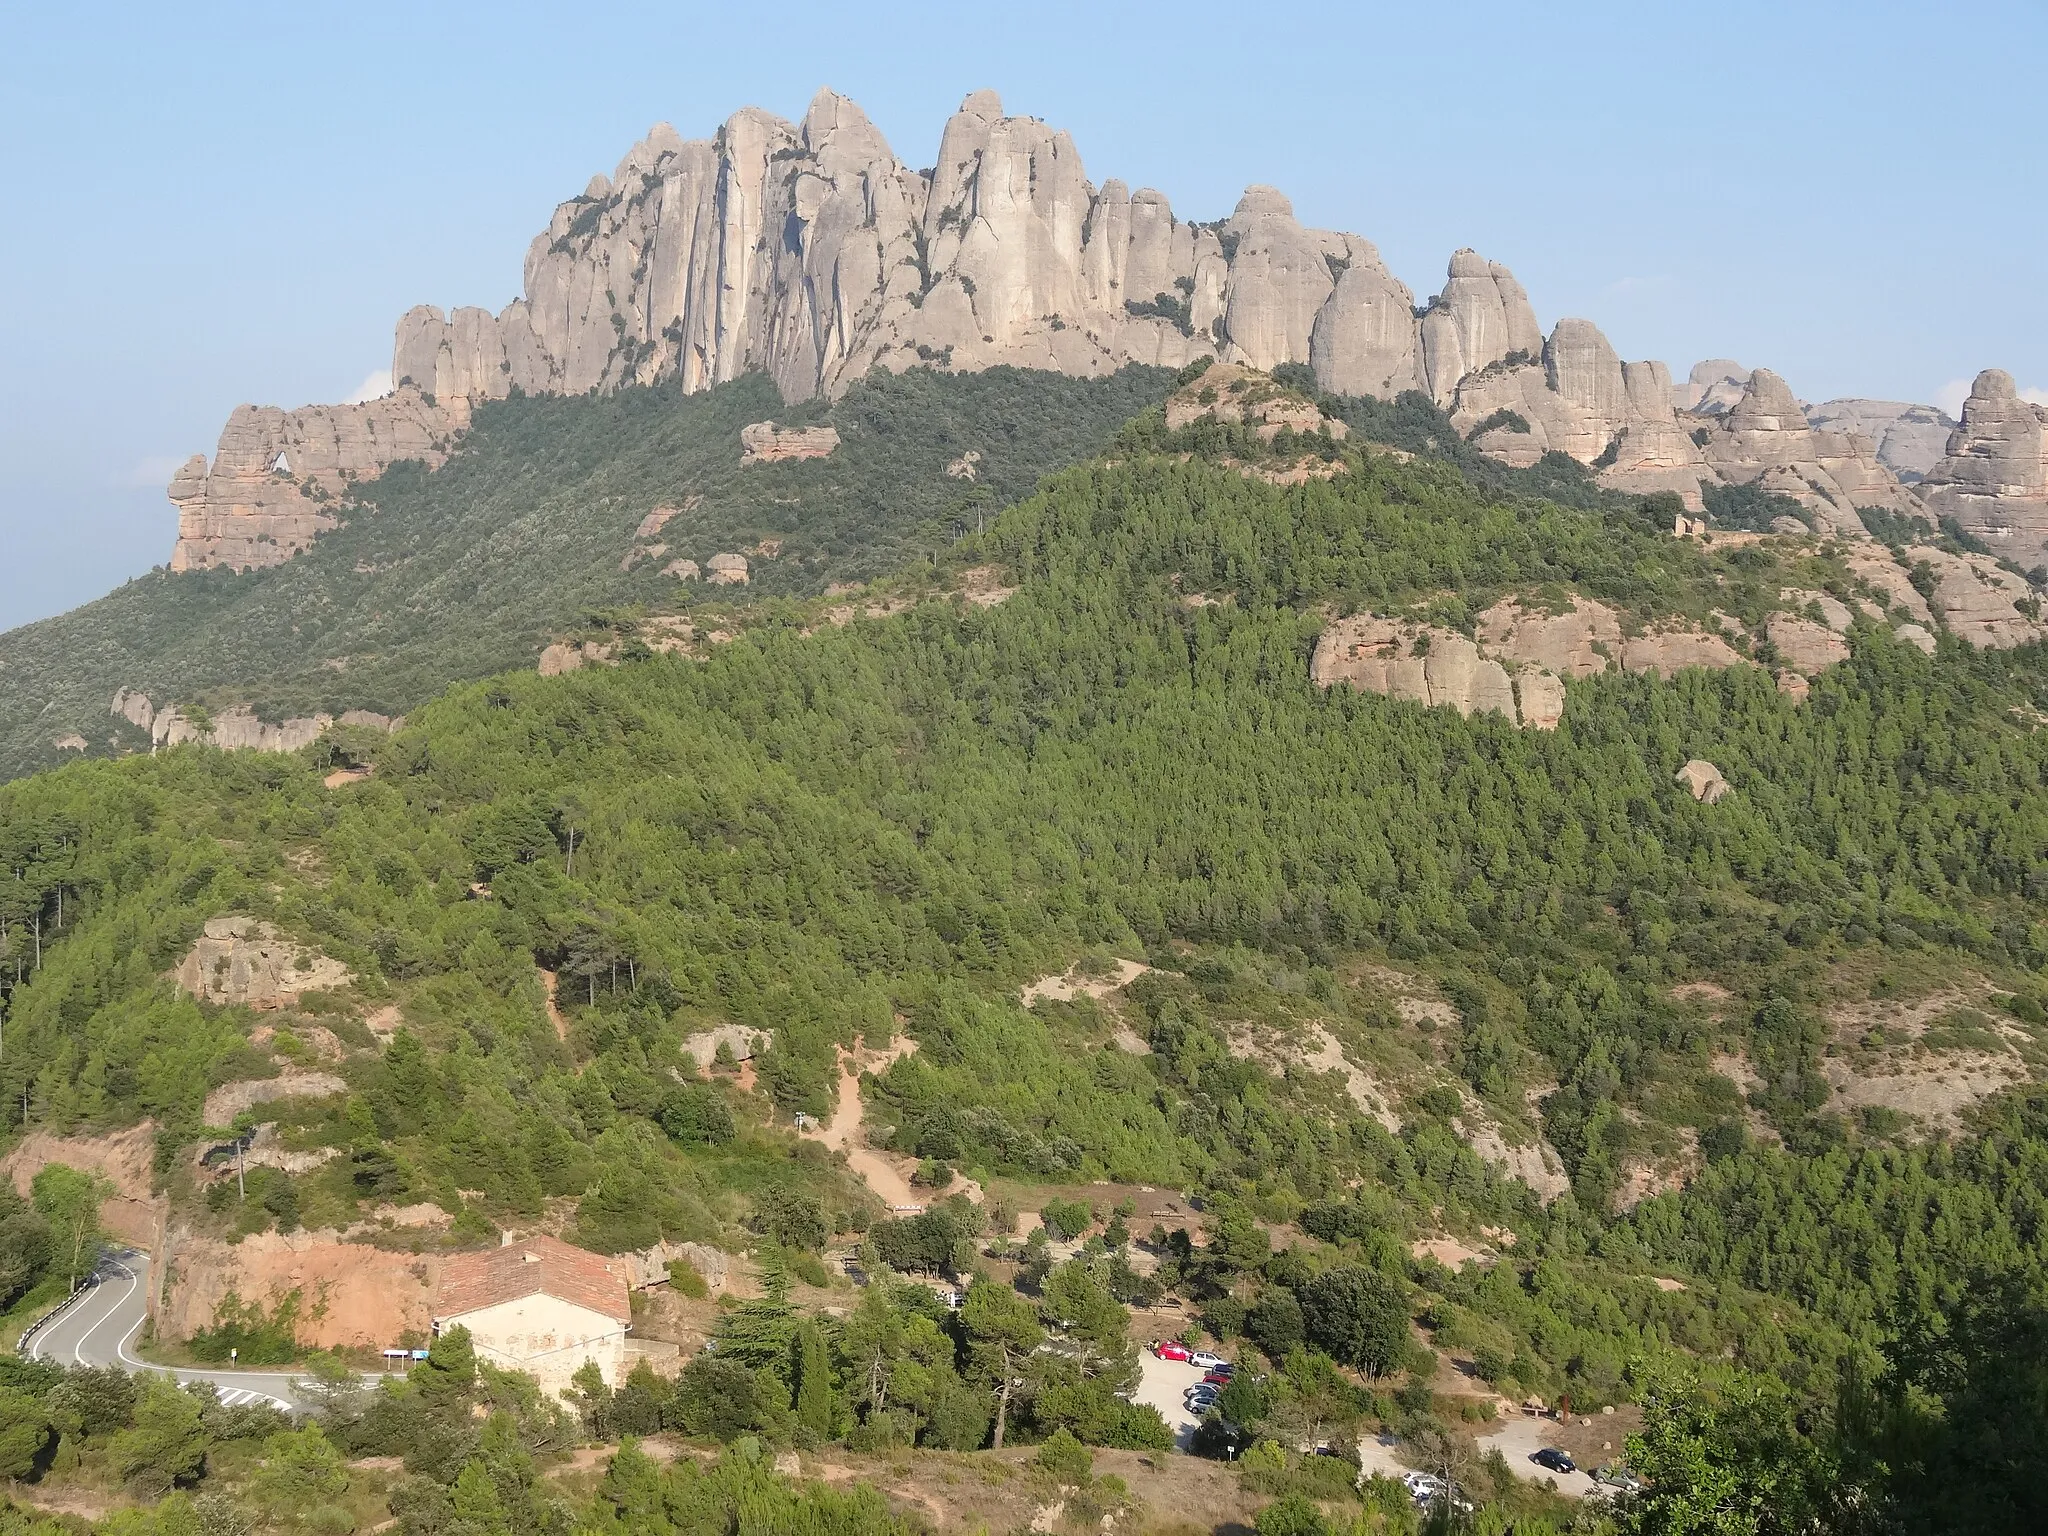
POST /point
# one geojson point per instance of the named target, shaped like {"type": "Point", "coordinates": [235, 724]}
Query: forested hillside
{"type": "Point", "coordinates": [836, 837]}
{"type": "Point", "coordinates": [445, 576]}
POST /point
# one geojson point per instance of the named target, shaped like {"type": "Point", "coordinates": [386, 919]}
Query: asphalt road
{"type": "Point", "coordinates": [100, 1329]}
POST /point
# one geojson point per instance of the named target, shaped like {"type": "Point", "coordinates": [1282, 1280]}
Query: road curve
{"type": "Point", "coordinates": [99, 1328]}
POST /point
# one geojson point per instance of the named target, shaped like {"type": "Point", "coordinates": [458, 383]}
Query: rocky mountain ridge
{"type": "Point", "coordinates": [810, 252]}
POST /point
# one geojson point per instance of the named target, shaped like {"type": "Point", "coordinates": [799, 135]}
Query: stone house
{"type": "Point", "coordinates": [539, 1305]}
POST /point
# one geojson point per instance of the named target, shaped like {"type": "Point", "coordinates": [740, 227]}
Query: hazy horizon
{"type": "Point", "coordinates": [232, 204]}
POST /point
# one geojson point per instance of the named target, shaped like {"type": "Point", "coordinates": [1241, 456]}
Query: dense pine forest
{"type": "Point", "coordinates": [1830, 1316]}
{"type": "Point", "coordinates": [445, 577]}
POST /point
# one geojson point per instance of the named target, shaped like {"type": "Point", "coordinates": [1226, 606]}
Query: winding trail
{"type": "Point", "coordinates": [887, 1174]}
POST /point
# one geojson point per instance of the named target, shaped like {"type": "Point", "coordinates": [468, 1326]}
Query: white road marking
{"type": "Point", "coordinates": [78, 1351]}
{"type": "Point", "coordinates": [231, 1396]}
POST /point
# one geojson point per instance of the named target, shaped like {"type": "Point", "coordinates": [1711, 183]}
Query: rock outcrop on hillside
{"type": "Point", "coordinates": [1517, 661]}
{"type": "Point", "coordinates": [1482, 317]}
{"type": "Point", "coordinates": [238, 728]}
{"type": "Point", "coordinates": [1229, 392]}
{"type": "Point", "coordinates": [1581, 399]}
{"type": "Point", "coordinates": [1766, 440]}
{"type": "Point", "coordinates": [1994, 477]}
{"type": "Point", "coordinates": [765, 443]}
{"type": "Point", "coordinates": [1980, 601]}
{"type": "Point", "coordinates": [243, 961]}
{"type": "Point", "coordinates": [1521, 654]}
{"type": "Point", "coordinates": [271, 488]}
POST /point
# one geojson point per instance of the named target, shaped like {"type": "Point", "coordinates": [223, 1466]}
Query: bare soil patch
{"type": "Point", "coordinates": [1449, 1252]}
{"type": "Point", "coordinates": [132, 1212]}
{"type": "Point", "coordinates": [1932, 1058]}
{"type": "Point", "coordinates": [1071, 984]}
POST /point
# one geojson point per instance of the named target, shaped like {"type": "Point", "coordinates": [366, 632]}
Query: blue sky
{"type": "Point", "coordinates": [212, 203]}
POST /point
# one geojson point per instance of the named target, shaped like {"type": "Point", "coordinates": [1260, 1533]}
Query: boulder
{"type": "Point", "coordinates": [726, 570]}
{"type": "Point", "coordinates": [1703, 781]}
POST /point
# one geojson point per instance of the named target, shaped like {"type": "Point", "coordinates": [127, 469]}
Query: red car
{"type": "Point", "coordinates": [1217, 1379]}
{"type": "Point", "coordinates": [1171, 1351]}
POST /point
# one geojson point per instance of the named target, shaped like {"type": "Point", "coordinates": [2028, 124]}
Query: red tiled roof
{"type": "Point", "coordinates": [472, 1281]}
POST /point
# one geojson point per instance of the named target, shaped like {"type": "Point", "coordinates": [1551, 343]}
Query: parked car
{"type": "Point", "coordinates": [1217, 1379]}
{"type": "Point", "coordinates": [1200, 1399]}
{"type": "Point", "coordinates": [1171, 1351]}
{"type": "Point", "coordinates": [1619, 1478]}
{"type": "Point", "coordinates": [1557, 1461]}
{"type": "Point", "coordinates": [1207, 1361]}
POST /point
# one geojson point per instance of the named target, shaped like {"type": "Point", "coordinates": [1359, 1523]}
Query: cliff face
{"type": "Point", "coordinates": [808, 251]}
{"type": "Point", "coordinates": [1994, 478]}
{"type": "Point", "coordinates": [275, 475]}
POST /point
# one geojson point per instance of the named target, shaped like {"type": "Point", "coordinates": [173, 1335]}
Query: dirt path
{"type": "Point", "coordinates": [547, 985]}
{"type": "Point", "coordinates": [887, 1174]}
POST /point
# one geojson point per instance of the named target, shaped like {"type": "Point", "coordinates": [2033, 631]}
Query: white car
{"type": "Point", "coordinates": [1206, 1361]}
{"type": "Point", "coordinates": [1426, 1489]}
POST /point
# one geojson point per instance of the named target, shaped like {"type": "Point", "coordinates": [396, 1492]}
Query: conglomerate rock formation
{"type": "Point", "coordinates": [1766, 439]}
{"type": "Point", "coordinates": [809, 251]}
{"type": "Point", "coordinates": [275, 474]}
{"type": "Point", "coordinates": [1910, 439]}
{"type": "Point", "coordinates": [1994, 478]}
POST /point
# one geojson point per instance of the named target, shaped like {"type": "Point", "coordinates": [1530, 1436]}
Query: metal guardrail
{"type": "Point", "coordinates": [21, 1346]}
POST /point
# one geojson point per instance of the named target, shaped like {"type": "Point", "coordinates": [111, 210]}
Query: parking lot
{"type": "Point", "coordinates": [1519, 1439]}
{"type": "Point", "coordinates": [1163, 1384]}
